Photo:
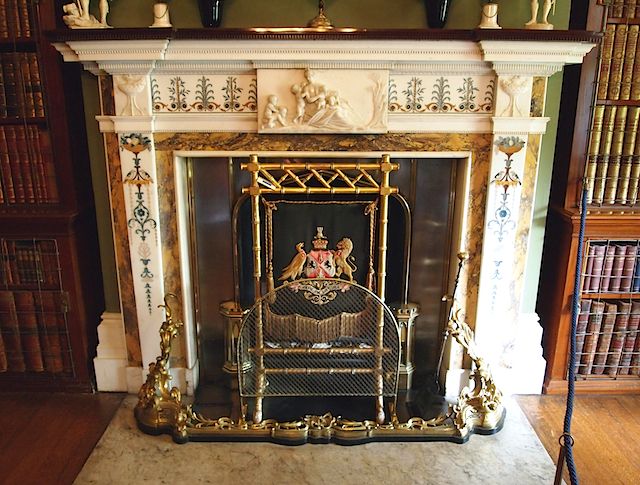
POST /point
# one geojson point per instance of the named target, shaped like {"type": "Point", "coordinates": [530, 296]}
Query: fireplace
{"type": "Point", "coordinates": [462, 117]}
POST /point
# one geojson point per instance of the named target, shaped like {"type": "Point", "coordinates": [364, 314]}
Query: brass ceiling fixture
{"type": "Point", "coordinates": [320, 21]}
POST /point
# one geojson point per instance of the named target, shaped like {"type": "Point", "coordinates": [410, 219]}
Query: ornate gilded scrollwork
{"type": "Point", "coordinates": [478, 409]}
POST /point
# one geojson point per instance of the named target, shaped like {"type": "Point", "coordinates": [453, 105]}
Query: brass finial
{"type": "Point", "coordinates": [320, 21]}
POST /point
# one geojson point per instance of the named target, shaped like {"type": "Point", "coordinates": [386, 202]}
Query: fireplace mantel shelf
{"type": "Point", "coordinates": [296, 33]}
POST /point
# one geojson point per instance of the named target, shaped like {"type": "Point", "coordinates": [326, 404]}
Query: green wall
{"type": "Point", "coordinates": [396, 14]}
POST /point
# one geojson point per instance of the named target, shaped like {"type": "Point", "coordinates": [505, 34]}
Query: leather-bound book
{"type": "Point", "coordinates": [605, 63]}
{"type": "Point", "coordinates": [635, 357]}
{"type": "Point", "coordinates": [28, 324]}
{"type": "Point", "coordinates": [636, 275]}
{"type": "Point", "coordinates": [617, 62]}
{"type": "Point", "coordinates": [604, 339]}
{"type": "Point", "coordinates": [630, 338]}
{"type": "Point", "coordinates": [4, 27]}
{"type": "Point", "coordinates": [629, 62]}
{"type": "Point", "coordinates": [36, 84]}
{"type": "Point", "coordinates": [615, 156]}
{"type": "Point", "coordinates": [627, 268]}
{"type": "Point", "coordinates": [588, 268]}
{"type": "Point", "coordinates": [591, 337]}
{"type": "Point", "coordinates": [14, 163]}
{"type": "Point", "coordinates": [618, 266]}
{"type": "Point", "coordinates": [581, 329]}
{"type": "Point", "coordinates": [49, 332]}
{"type": "Point", "coordinates": [594, 147]}
{"type": "Point", "coordinates": [605, 150]}
{"type": "Point", "coordinates": [4, 365]}
{"type": "Point", "coordinates": [63, 331]}
{"type": "Point", "coordinates": [628, 147]}
{"type": "Point", "coordinates": [5, 169]}
{"type": "Point", "coordinates": [598, 265]}
{"type": "Point", "coordinates": [617, 9]}
{"type": "Point", "coordinates": [11, 332]}
{"type": "Point", "coordinates": [618, 338]}
{"type": "Point", "coordinates": [607, 267]}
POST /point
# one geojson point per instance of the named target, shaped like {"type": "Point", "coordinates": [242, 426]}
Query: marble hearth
{"type": "Point", "coordinates": [475, 98]}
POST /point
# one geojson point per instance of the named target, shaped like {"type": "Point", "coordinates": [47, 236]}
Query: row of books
{"type": "Point", "coordinates": [20, 86]}
{"type": "Point", "coordinates": [612, 267]}
{"type": "Point", "coordinates": [30, 264]}
{"type": "Point", "coordinates": [619, 57]}
{"type": "Point", "coordinates": [27, 172]}
{"type": "Point", "coordinates": [607, 341]}
{"type": "Point", "coordinates": [33, 332]}
{"type": "Point", "coordinates": [15, 19]}
{"type": "Point", "coordinates": [624, 8]}
{"type": "Point", "coordinates": [613, 164]}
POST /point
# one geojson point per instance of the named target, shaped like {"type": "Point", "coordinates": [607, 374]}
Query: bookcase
{"type": "Point", "coordinates": [601, 101]}
{"type": "Point", "coordinates": [50, 284]}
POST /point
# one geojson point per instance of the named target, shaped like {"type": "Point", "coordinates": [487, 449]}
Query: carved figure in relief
{"type": "Point", "coordinates": [313, 92]}
{"type": "Point", "coordinates": [274, 114]}
{"type": "Point", "coordinates": [546, 8]}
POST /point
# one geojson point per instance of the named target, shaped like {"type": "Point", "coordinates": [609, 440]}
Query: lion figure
{"type": "Point", "coordinates": [343, 259]}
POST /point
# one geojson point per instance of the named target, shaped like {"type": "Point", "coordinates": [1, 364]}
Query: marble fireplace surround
{"type": "Point", "coordinates": [471, 96]}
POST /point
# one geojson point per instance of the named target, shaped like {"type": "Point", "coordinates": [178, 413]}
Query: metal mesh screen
{"type": "Point", "coordinates": [319, 337]}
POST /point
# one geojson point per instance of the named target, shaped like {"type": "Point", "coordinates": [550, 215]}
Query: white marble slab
{"type": "Point", "coordinates": [126, 455]}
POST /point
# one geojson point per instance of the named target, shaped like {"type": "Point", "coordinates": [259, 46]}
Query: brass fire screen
{"type": "Point", "coordinates": [319, 337]}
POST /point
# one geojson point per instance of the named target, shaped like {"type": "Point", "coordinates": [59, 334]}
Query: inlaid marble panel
{"type": "Point", "coordinates": [219, 93]}
{"type": "Point", "coordinates": [538, 93]}
{"type": "Point", "coordinates": [123, 258]}
{"type": "Point", "coordinates": [441, 94]}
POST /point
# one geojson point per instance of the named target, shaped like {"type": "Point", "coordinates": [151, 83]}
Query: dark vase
{"type": "Point", "coordinates": [437, 12]}
{"type": "Point", "coordinates": [211, 12]}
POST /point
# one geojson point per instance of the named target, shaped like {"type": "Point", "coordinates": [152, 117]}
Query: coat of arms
{"type": "Point", "coordinates": [321, 262]}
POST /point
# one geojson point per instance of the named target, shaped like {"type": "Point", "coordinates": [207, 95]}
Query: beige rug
{"type": "Point", "coordinates": [125, 455]}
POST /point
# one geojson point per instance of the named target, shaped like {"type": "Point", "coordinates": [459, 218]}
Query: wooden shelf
{"type": "Point", "coordinates": [607, 296]}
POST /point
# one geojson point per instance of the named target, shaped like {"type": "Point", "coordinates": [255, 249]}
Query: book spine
{"type": "Point", "coordinates": [591, 337]}
{"type": "Point", "coordinates": [617, 10]}
{"type": "Point", "coordinates": [49, 333]}
{"type": "Point", "coordinates": [36, 84]}
{"type": "Point", "coordinates": [627, 269]}
{"type": "Point", "coordinates": [631, 8]}
{"type": "Point", "coordinates": [635, 353]}
{"type": "Point", "coordinates": [629, 61]}
{"type": "Point", "coordinates": [3, 98]}
{"type": "Point", "coordinates": [594, 146]}
{"type": "Point", "coordinates": [604, 338]}
{"type": "Point", "coordinates": [5, 169]}
{"type": "Point", "coordinates": [628, 147]}
{"type": "Point", "coordinates": [4, 364]}
{"type": "Point", "coordinates": [588, 268]}
{"type": "Point", "coordinates": [26, 85]}
{"type": "Point", "coordinates": [13, 19]}
{"type": "Point", "coordinates": [10, 87]}
{"type": "Point", "coordinates": [615, 157]}
{"type": "Point", "coordinates": [581, 329]}
{"type": "Point", "coordinates": [634, 179]}
{"type": "Point", "coordinates": [14, 162]}
{"type": "Point", "coordinates": [12, 264]}
{"type": "Point", "coordinates": [630, 339]}
{"type": "Point", "coordinates": [636, 275]}
{"type": "Point", "coordinates": [11, 332]}
{"type": "Point", "coordinates": [617, 61]}
{"type": "Point", "coordinates": [618, 338]}
{"type": "Point", "coordinates": [25, 164]}
{"type": "Point", "coordinates": [48, 253]}
{"type": "Point", "coordinates": [25, 20]}
{"type": "Point", "coordinates": [32, 140]}
{"type": "Point", "coordinates": [4, 27]}
{"type": "Point", "coordinates": [605, 149]}
{"type": "Point", "coordinates": [605, 62]}
{"type": "Point", "coordinates": [607, 268]}
{"type": "Point", "coordinates": [61, 312]}
{"type": "Point", "coordinates": [618, 267]}
{"type": "Point", "coordinates": [28, 322]}
{"type": "Point", "coordinates": [45, 151]}
{"type": "Point", "coordinates": [598, 265]}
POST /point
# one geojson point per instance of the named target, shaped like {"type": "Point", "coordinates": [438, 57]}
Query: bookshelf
{"type": "Point", "coordinates": [50, 284]}
{"type": "Point", "coordinates": [601, 154]}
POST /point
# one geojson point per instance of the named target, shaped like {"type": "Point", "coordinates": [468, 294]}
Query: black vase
{"type": "Point", "coordinates": [437, 12]}
{"type": "Point", "coordinates": [211, 12]}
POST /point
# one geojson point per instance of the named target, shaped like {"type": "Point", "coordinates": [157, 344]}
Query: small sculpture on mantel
{"type": "Point", "coordinates": [489, 17]}
{"type": "Point", "coordinates": [544, 23]}
{"type": "Point", "coordinates": [77, 16]}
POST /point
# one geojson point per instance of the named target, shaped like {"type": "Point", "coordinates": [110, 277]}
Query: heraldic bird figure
{"type": "Point", "coordinates": [295, 267]}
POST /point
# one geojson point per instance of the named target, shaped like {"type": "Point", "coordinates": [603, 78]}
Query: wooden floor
{"type": "Point", "coordinates": [46, 438]}
{"type": "Point", "coordinates": [606, 430]}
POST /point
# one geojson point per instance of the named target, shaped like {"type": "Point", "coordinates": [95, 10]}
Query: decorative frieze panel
{"type": "Point", "coordinates": [218, 93]}
{"type": "Point", "coordinates": [322, 101]}
{"type": "Point", "coordinates": [441, 94]}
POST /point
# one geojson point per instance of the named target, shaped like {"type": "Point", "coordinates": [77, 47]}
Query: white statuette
{"type": "Point", "coordinates": [161, 15]}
